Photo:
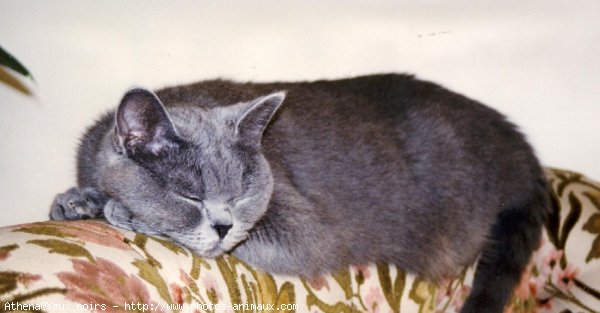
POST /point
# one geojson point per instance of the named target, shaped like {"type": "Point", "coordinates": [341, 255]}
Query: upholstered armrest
{"type": "Point", "coordinates": [91, 266]}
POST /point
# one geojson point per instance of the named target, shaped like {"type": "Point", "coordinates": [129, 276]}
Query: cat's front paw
{"type": "Point", "coordinates": [78, 204]}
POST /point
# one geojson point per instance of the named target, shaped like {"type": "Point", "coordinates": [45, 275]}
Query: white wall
{"type": "Point", "coordinates": [536, 61]}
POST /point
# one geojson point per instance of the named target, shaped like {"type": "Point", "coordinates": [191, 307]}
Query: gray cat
{"type": "Point", "coordinates": [382, 168]}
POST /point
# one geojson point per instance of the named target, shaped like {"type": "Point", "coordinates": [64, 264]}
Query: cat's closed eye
{"type": "Point", "coordinates": [194, 198]}
{"type": "Point", "coordinates": [191, 198]}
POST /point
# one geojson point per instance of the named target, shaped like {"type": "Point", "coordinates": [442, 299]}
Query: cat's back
{"type": "Point", "coordinates": [372, 126]}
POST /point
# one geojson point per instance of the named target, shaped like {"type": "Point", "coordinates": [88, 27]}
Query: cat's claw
{"type": "Point", "coordinates": [78, 204]}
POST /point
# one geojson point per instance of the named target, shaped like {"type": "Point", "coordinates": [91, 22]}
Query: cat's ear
{"type": "Point", "coordinates": [143, 126]}
{"type": "Point", "coordinates": [256, 117]}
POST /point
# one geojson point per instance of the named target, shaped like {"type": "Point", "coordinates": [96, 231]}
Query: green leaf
{"type": "Point", "coordinates": [593, 226]}
{"type": "Point", "coordinates": [229, 274]}
{"type": "Point", "coordinates": [392, 292]}
{"type": "Point", "coordinates": [571, 219]}
{"type": "Point", "coordinates": [197, 262]}
{"type": "Point", "coordinates": [42, 229]}
{"type": "Point", "coordinates": [173, 247]}
{"type": "Point", "coordinates": [63, 247]}
{"type": "Point", "coordinates": [423, 294]}
{"type": "Point", "coordinates": [286, 294]}
{"type": "Point", "coordinates": [212, 296]}
{"type": "Point", "coordinates": [11, 62]}
{"type": "Point", "coordinates": [345, 281]}
{"type": "Point", "coordinates": [338, 307]}
{"type": "Point", "coordinates": [140, 240]}
{"type": "Point", "coordinates": [594, 198]}
{"type": "Point", "coordinates": [8, 282]}
{"type": "Point", "coordinates": [5, 250]}
{"type": "Point", "coordinates": [250, 290]}
{"type": "Point", "coordinates": [553, 223]}
{"type": "Point", "coordinates": [150, 273]}
{"type": "Point", "coordinates": [594, 250]}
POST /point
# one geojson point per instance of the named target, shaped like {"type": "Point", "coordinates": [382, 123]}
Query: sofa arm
{"type": "Point", "coordinates": [91, 266]}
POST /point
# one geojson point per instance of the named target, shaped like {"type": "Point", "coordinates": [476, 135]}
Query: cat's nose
{"type": "Point", "coordinates": [222, 230]}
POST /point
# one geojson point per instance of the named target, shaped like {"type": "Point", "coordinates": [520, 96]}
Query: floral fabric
{"type": "Point", "coordinates": [90, 266]}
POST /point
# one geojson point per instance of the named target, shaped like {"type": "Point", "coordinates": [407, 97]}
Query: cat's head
{"type": "Point", "coordinates": [211, 183]}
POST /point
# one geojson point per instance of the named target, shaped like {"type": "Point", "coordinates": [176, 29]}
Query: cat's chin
{"type": "Point", "coordinates": [213, 252]}
{"type": "Point", "coordinates": [221, 247]}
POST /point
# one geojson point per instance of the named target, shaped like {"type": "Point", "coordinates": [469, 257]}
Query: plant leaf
{"type": "Point", "coordinates": [44, 229]}
{"type": "Point", "coordinates": [593, 226]}
{"type": "Point", "coordinates": [149, 273]}
{"type": "Point", "coordinates": [392, 292]}
{"type": "Point", "coordinates": [345, 281]}
{"type": "Point", "coordinates": [5, 251]}
{"type": "Point", "coordinates": [8, 282]}
{"type": "Point", "coordinates": [423, 294]}
{"type": "Point", "coordinates": [173, 247]}
{"type": "Point", "coordinates": [11, 62]}
{"type": "Point", "coordinates": [63, 247]}
{"type": "Point", "coordinates": [571, 219]}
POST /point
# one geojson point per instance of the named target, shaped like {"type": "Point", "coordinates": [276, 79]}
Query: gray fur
{"type": "Point", "coordinates": [382, 168]}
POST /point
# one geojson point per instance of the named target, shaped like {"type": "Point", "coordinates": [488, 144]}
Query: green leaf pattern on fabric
{"type": "Point", "coordinates": [593, 226]}
{"type": "Point", "coordinates": [63, 247]}
{"type": "Point", "coordinates": [392, 292]}
{"type": "Point", "coordinates": [5, 251]}
{"type": "Point", "coordinates": [421, 292]}
{"type": "Point", "coordinates": [150, 274]}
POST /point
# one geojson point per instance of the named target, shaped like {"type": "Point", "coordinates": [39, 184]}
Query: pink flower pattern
{"type": "Point", "coordinates": [373, 300]}
{"type": "Point", "coordinates": [103, 282]}
{"type": "Point", "coordinates": [563, 279]}
{"type": "Point", "coordinates": [318, 282]}
{"type": "Point", "coordinates": [176, 293]}
{"type": "Point", "coordinates": [364, 269]}
{"type": "Point", "coordinates": [210, 284]}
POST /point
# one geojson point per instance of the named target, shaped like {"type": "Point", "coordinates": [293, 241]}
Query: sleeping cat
{"type": "Point", "coordinates": [310, 177]}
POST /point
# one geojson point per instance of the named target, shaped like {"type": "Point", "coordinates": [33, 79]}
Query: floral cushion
{"type": "Point", "coordinates": [91, 266]}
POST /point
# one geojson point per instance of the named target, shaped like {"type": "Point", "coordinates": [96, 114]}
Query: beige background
{"type": "Point", "coordinates": [536, 61]}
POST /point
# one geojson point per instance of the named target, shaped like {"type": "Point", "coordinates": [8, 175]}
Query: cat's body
{"type": "Point", "coordinates": [380, 168]}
